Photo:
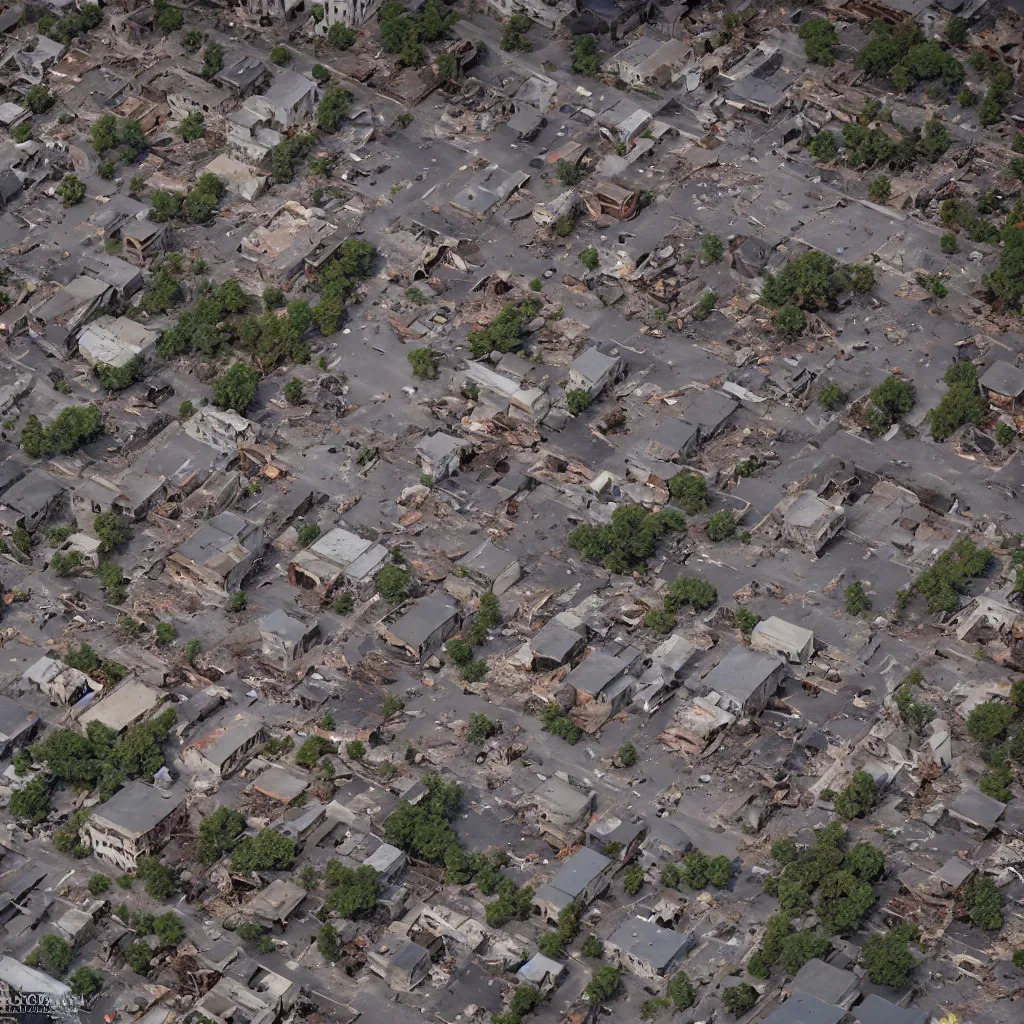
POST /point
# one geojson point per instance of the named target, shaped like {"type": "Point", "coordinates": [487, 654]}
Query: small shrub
{"type": "Point", "coordinates": [721, 526]}
{"type": "Point", "coordinates": [856, 600]}
{"type": "Point", "coordinates": [823, 147]}
{"type": "Point", "coordinates": [578, 400]}
{"type": "Point", "coordinates": [590, 258]}
{"type": "Point", "coordinates": [880, 189]}
{"type": "Point", "coordinates": [165, 633]}
{"type": "Point", "coordinates": [711, 249]}
{"type": "Point", "coordinates": [948, 243]}
{"type": "Point", "coordinates": [1005, 434]}
{"type": "Point", "coordinates": [99, 884]}
{"type": "Point", "coordinates": [831, 397]}
{"type": "Point", "coordinates": [422, 362]}
{"type": "Point", "coordinates": [307, 534]}
{"type": "Point", "coordinates": [738, 999]}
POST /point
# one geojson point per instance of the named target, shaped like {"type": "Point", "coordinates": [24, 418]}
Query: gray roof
{"type": "Point", "coordinates": [977, 808]}
{"type": "Point", "coordinates": [756, 91]}
{"type": "Point", "coordinates": [801, 1008]}
{"type": "Point", "coordinates": [554, 641]}
{"type": "Point", "coordinates": [741, 672]}
{"type": "Point", "coordinates": [709, 410]}
{"type": "Point", "coordinates": [876, 1010]}
{"type": "Point", "coordinates": [439, 446]}
{"type": "Point", "coordinates": [426, 615]}
{"type": "Point", "coordinates": [242, 73]}
{"type": "Point", "coordinates": [408, 956]}
{"type": "Point", "coordinates": [34, 491]}
{"type": "Point", "coordinates": [488, 560]}
{"type": "Point", "coordinates": [592, 364]}
{"type": "Point", "coordinates": [223, 740]}
{"type": "Point", "coordinates": [218, 545]}
{"type": "Point", "coordinates": [138, 808]}
{"type": "Point", "coordinates": [646, 941]}
{"type": "Point", "coordinates": [807, 510]}
{"type": "Point", "coordinates": [280, 624]}
{"type": "Point", "coordinates": [1004, 379]}
{"type": "Point", "coordinates": [540, 968]}
{"type": "Point", "coordinates": [828, 983]}
{"type": "Point", "coordinates": [15, 718]}
{"type": "Point", "coordinates": [595, 672]}
{"type": "Point", "coordinates": [288, 88]}
{"type": "Point", "coordinates": [675, 434]}
{"type": "Point", "coordinates": [577, 872]}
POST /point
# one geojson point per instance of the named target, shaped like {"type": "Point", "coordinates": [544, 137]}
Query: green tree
{"type": "Point", "coordinates": [341, 37]}
{"type": "Point", "coordinates": [820, 41]}
{"type": "Point", "coordinates": [628, 755]}
{"type": "Point", "coordinates": [858, 798]}
{"type": "Point", "coordinates": [219, 834]}
{"type": "Point", "coordinates": [880, 189]}
{"type": "Point", "coordinates": [605, 985]}
{"type": "Point", "coordinates": [112, 529]}
{"type": "Point", "coordinates": [333, 109]}
{"type": "Point", "coordinates": [633, 879]}
{"type": "Point", "coordinates": [236, 387]}
{"type": "Point", "coordinates": [481, 728]}
{"type": "Point", "coordinates": [721, 526]}
{"type": "Point", "coordinates": [328, 943]}
{"type": "Point", "coordinates": [71, 190]}
{"type": "Point", "coordinates": [737, 999]}
{"type": "Point", "coordinates": [790, 322]}
{"type": "Point", "coordinates": [353, 892]}
{"type": "Point", "coordinates": [53, 954]}
{"type": "Point", "coordinates": [267, 851]}
{"type": "Point", "coordinates": [168, 928]}
{"type": "Point", "coordinates": [99, 884]}
{"type": "Point", "coordinates": [312, 749]}
{"type": "Point", "coordinates": [592, 948]}
{"type": "Point", "coordinates": [800, 947]}
{"type": "Point", "coordinates": [424, 830]}
{"type": "Point", "coordinates": [956, 31]}
{"type": "Point", "coordinates": [422, 361]}
{"type": "Point", "coordinates": [568, 174]}
{"type": "Point", "coordinates": [85, 982]}
{"type": "Point", "coordinates": [690, 492]}
{"type": "Point", "coordinates": [987, 722]}
{"type": "Point", "coordinates": [577, 400]}
{"type": "Point", "coordinates": [39, 99]}
{"type": "Point", "coordinates": [983, 901]}
{"type": "Point", "coordinates": [213, 59]}
{"type": "Point", "coordinates": [355, 749]}
{"type": "Point", "coordinates": [157, 878]}
{"type": "Point", "coordinates": [887, 957]}
{"type": "Point", "coordinates": [392, 583]}
{"type": "Point", "coordinates": [590, 258]}
{"type": "Point", "coordinates": [711, 249]}
{"type": "Point", "coordinates": [31, 803]}
{"type": "Point", "coordinates": [103, 133]}
{"type": "Point", "coordinates": [293, 391]}
{"type": "Point", "coordinates": [138, 956]}
{"type": "Point", "coordinates": [585, 58]}
{"type": "Point", "coordinates": [823, 147]}
{"type": "Point", "coordinates": [193, 126]}
{"type": "Point", "coordinates": [681, 991]}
